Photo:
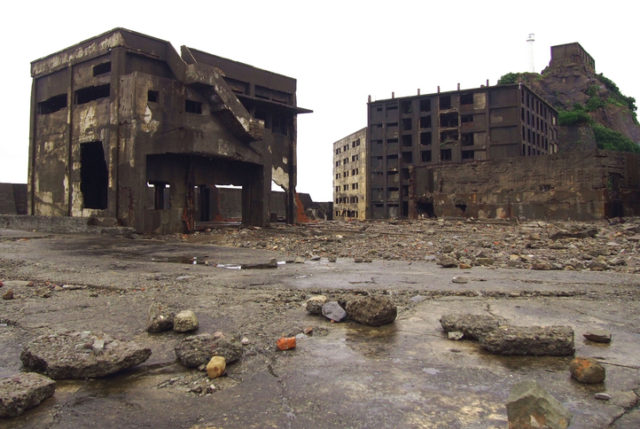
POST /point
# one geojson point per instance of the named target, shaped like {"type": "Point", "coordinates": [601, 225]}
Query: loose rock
{"type": "Point", "coordinates": [459, 280]}
{"type": "Point", "coordinates": [530, 406]}
{"type": "Point", "coordinates": [598, 336]}
{"type": "Point", "coordinates": [455, 335]}
{"type": "Point", "coordinates": [198, 350]}
{"type": "Point", "coordinates": [185, 321]}
{"type": "Point", "coordinates": [273, 263]}
{"type": "Point", "coordinates": [81, 355]}
{"type": "Point", "coordinates": [587, 370]}
{"type": "Point", "coordinates": [530, 340]}
{"type": "Point", "coordinates": [446, 261]}
{"type": "Point", "coordinates": [160, 318]}
{"type": "Point", "coordinates": [286, 343]}
{"type": "Point", "coordinates": [333, 311]}
{"type": "Point", "coordinates": [22, 391]}
{"type": "Point", "coordinates": [315, 303]}
{"type": "Point", "coordinates": [8, 294]}
{"type": "Point", "coordinates": [473, 326]}
{"type": "Point", "coordinates": [372, 310]}
{"type": "Point", "coordinates": [216, 367]}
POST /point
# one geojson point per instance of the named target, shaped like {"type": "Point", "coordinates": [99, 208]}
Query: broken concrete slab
{"type": "Point", "coordinates": [372, 310]}
{"type": "Point", "coordinates": [530, 341]}
{"type": "Point", "coordinates": [273, 263]}
{"type": "Point", "coordinates": [70, 355]}
{"type": "Point", "coordinates": [22, 391]}
{"type": "Point", "coordinates": [473, 326]}
{"type": "Point", "coordinates": [198, 350]}
{"type": "Point", "coordinates": [530, 406]}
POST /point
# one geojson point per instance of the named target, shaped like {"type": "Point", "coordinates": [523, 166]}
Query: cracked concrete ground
{"type": "Point", "coordinates": [346, 375]}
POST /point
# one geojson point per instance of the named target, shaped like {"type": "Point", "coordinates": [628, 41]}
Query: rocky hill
{"type": "Point", "coordinates": [587, 100]}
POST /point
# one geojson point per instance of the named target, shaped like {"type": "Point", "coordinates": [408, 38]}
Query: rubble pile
{"type": "Point", "coordinates": [536, 245]}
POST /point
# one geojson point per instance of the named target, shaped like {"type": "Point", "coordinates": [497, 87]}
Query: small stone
{"type": "Point", "coordinates": [216, 366]}
{"type": "Point", "coordinates": [598, 336]}
{"type": "Point", "coordinates": [446, 261]}
{"type": "Point", "coordinates": [160, 318]}
{"type": "Point", "coordinates": [315, 258]}
{"type": "Point", "coordinates": [603, 396]}
{"type": "Point", "coordinates": [185, 321]}
{"type": "Point", "coordinates": [372, 310]}
{"type": "Point", "coordinates": [587, 370]}
{"type": "Point", "coordinates": [484, 261]}
{"type": "Point", "coordinates": [333, 311]}
{"type": "Point", "coordinates": [455, 335]}
{"type": "Point", "coordinates": [298, 260]}
{"type": "Point", "coordinates": [459, 280]}
{"type": "Point", "coordinates": [244, 341]}
{"type": "Point", "coordinates": [22, 391]}
{"type": "Point", "coordinates": [332, 259]}
{"type": "Point", "coordinates": [286, 343]}
{"type": "Point", "coordinates": [8, 294]}
{"type": "Point", "coordinates": [530, 406]}
{"type": "Point", "coordinates": [315, 303]}
{"type": "Point", "coordinates": [464, 266]}
{"type": "Point", "coordinates": [308, 330]}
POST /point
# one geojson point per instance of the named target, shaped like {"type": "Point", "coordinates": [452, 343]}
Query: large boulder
{"type": "Point", "coordinates": [473, 326]}
{"type": "Point", "coordinates": [81, 355]}
{"type": "Point", "coordinates": [372, 310]}
{"type": "Point", "coordinates": [530, 340]}
{"type": "Point", "coordinates": [530, 406]}
{"type": "Point", "coordinates": [22, 391]}
{"type": "Point", "coordinates": [197, 350]}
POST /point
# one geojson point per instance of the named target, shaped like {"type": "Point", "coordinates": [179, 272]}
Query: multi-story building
{"type": "Point", "coordinates": [486, 123]}
{"type": "Point", "coordinates": [124, 127]}
{"type": "Point", "coordinates": [349, 176]}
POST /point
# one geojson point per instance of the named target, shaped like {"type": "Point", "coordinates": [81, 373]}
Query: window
{"type": "Point", "coordinates": [338, 151]}
{"type": "Point", "coordinates": [53, 104]}
{"type": "Point", "coordinates": [426, 155]}
{"type": "Point", "coordinates": [345, 161]}
{"type": "Point", "coordinates": [354, 172]}
{"type": "Point", "coordinates": [337, 163]}
{"type": "Point", "coordinates": [345, 187]}
{"type": "Point", "coordinates": [93, 175]}
{"type": "Point", "coordinates": [406, 124]}
{"type": "Point", "coordinates": [466, 99]}
{"type": "Point", "coordinates": [152, 96]}
{"type": "Point", "coordinates": [407, 140]}
{"type": "Point", "coordinates": [425, 122]}
{"type": "Point", "coordinates": [91, 93]}
{"type": "Point", "coordinates": [191, 106]}
{"type": "Point", "coordinates": [354, 186]}
{"type": "Point", "coordinates": [337, 188]}
{"type": "Point", "coordinates": [425, 105]}
{"type": "Point", "coordinates": [449, 119]}
{"type": "Point", "coordinates": [407, 157]}
{"type": "Point", "coordinates": [445, 102]}
{"type": "Point", "coordinates": [345, 148]}
{"type": "Point", "coordinates": [103, 68]}
{"type": "Point", "coordinates": [337, 175]}
{"type": "Point", "coordinates": [355, 157]}
{"type": "Point", "coordinates": [445, 155]}
{"type": "Point", "coordinates": [467, 154]}
{"type": "Point", "coordinates": [355, 143]}
{"type": "Point", "coordinates": [346, 173]}
{"type": "Point", "coordinates": [465, 119]}
{"type": "Point", "coordinates": [425, 139]}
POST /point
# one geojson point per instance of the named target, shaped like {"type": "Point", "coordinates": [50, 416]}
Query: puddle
{"type": "Point", "coordinates": [229, 266]}
{"type": "Point", "coordinates": [204, 260]}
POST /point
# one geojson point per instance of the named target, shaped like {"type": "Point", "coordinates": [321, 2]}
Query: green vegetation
{"type": "Point", "coordinates": [511, 78]}
{"type": "Point", "coordinates": [620, 99]}
{"type": "Point", "coordinates": [606, 138]}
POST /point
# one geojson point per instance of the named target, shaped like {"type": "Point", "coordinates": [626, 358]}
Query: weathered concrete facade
{"type": "Point", "coordinates": [122, 112]}
{"type": "Point", "coordinates": [454, 127]}
{"type": "Point", "coordinates": [579, 185]}
{"type": "Point", "coordinates": [572, 55]}
{"type": "Point", "coordinates": [349, 176]}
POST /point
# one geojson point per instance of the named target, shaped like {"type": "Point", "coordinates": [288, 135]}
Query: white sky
{"type": "Point", "coordinates": [339, 51]}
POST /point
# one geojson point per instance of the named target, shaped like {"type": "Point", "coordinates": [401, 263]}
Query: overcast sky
{"type": "Point", "coordinates": [339, 51]}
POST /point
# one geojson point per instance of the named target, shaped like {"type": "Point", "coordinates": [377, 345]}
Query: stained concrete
{"type": "Point", "coordinates": [406, 374]}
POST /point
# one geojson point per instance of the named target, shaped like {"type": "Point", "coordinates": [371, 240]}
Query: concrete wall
{"type": "Point", "coordinates": [577, 185]}
{"type": "Point", "coordinates": [13, 198]}
{"type": "Point", "coordinates": [349, 176]}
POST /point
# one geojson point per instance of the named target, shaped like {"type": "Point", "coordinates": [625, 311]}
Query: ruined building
{"type": "Point", "coordinates": [349, 173]}
{"type": "Point", "coordinates": [486, 123]}
{"type": "Point", "coordinates": [124, 127]}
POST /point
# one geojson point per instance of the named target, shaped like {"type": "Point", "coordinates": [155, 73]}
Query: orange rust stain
{"type": "Point", "coordinates": [301, 217]}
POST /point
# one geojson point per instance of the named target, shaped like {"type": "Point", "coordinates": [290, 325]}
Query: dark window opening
{"type": "Point", "coordinates": [204, 193]}
{"type": "Point", "coordinates": [465, 119]}
{"type": "Point", "coordinates": [425, 105]}
{"type": "Point", "coordinates": [546, 188]}
{"type": "Point", "coordinates": [407, 140]}
{"type": "Point", "coordinates": [466, 99]}
{"type": "Point", "coordinates": [191, 106]}
{"type": "Point", "coordinates": [404, 174]}
{"type": "Point", "coordinates": [152, 96]}
{"type": "Point", "coordinates": [392, 156]}
{"type": "Point", "coordinates": [280, 126]}
{"type": "Point", "coordinates": [160, 200]}
{"type": "Point", "coordinates": [449, 136]}
{"type": "Point", "coordinates": [425, 122]}
{"type": "Point", "coordinates": [445, 102]}
{"type": "Point", "coordinates": [426, 155]}
{"type": "Point", "coordinates": [449, 119]}
{"type": "Point", "coordinates": [102, 68]}
{"type": "Point", "coordinates": [467, 154]}
{"type": "Point", "coordinates": [52, 104]}
{"type": "Point", "coordinates": [405, 209]}
{"type": "Point", "coordinates": [462, 207]}
{"type": "Point", "coordinates": [406, 124]}
{"type": "Point", "coordinates": [466, 139]}
{"type": "Point", "coordinates": [445, 155]}
{"type": "Point", "coordinates": [407, 157]}
{"type": "Point", "coordinates": [91, 93]}
{"type": "Point", "coordinates": [406, 107]}
{"type": "Point", "coordinates": [425, 139]}
{"type": "Point", "coordinates": [425, 208]}
{"type": "Point", "coordinates": [93, 175]}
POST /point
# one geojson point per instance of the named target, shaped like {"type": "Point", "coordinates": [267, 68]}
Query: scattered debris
{"type": "Point", "coordinates": [22, 391]}
{"type": "Point", "coordinates": [530, 406]}
{"type": "Point", "coordinates": [81, 355]}
{"type": "Point", "coordinates": [587, 370]}
{"type": "Point", "coordinates": [185, 321]}
{"type": "Point", "coordinates": [286, 343]}
{"type": "Point", "coordinates": [216, 367]}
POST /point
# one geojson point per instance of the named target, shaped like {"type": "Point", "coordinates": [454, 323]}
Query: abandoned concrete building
{"type": "Point", "coordinates": [349, 173]}
{"type": "Point", "coordinates": [124, 127]}
{"type": "Point", "coordinates": [571, 55]}
{"type": "Point", "coordinates": [486, 123]}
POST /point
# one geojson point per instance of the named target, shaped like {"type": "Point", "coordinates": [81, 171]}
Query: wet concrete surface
{"type": "Point", "coordinates": [346, 375]}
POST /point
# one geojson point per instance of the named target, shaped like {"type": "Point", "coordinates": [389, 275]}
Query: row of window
{"type": "Point", "coordinates": [347, 200]}
{"type": "Point", "coordinates": [347, 213]}
{"type": "Point", "coordinates": [354, 172]}
{"type": "Point", "coordinates": [345, 148]}
{"type": "Point", "coordinates": [346, 187]}
{"type": "Point", "coordinates": [345, 161]}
